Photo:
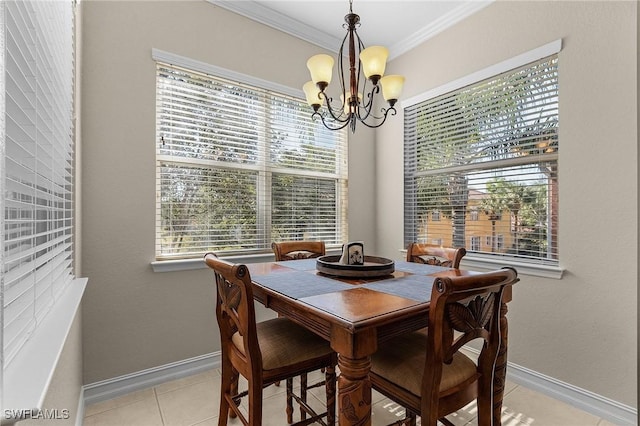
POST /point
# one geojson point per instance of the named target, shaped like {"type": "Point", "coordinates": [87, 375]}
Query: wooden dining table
{"type": "Point", "coordinates": [357, 315]}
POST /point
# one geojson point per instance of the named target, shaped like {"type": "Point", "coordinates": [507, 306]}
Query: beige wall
{"type": "Point", "coordinates": [581, 329]}
{"type": "Point", "coordinates": [133, 318]}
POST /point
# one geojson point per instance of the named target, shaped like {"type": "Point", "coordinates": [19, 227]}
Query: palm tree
{"type": "Point", "coordinates": [495, 204]}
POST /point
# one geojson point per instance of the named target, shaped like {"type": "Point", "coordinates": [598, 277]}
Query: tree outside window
{"type": "Point", "coordinates": [240, 166]}
{"type": "Point", "coordinates": [490, 148]}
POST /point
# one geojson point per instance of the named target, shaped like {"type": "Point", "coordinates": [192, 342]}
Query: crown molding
{"type": "Point", "coordinates": [259, 13]}
{"type": "Point", "coordinates": [442, 23]}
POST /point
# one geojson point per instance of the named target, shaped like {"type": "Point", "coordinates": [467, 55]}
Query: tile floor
{"type": "Point", "coordinates": [194, 400]}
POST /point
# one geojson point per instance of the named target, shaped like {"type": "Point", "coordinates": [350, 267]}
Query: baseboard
{"type": "Point", "coordinates": [585, 400]}
{"type": "Point", "coordinates": [117, 386]}
{"type": "Point", "coordinates": [590, 402]}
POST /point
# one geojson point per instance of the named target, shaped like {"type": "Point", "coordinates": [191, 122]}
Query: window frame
{"type": "Point", "coordinates": [35, 360]}
{"type": "Point", "coordinates": [478, 260]}
{"type": "Point", "coordinates": [172, 263]}
{"type": "Point", "coordinates": [475, 242]}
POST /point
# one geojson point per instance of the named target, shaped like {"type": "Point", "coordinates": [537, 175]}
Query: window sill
{"type": "Point", "coordinates": [477, 261]}
{"type": "Point", "coordinates": [523, 268]}
{"type": "Point", "coordinates": [198, 263]}
{"type": "Point", "coordinates": [27, 377]}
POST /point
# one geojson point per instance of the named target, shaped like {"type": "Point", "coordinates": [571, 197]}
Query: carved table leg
{"type": "Point", "coordinates": [354, 392]}
{"type": "Point", "coordinates": [499, 378]}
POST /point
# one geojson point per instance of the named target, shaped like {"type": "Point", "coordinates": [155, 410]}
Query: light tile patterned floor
{"type": "Point", "coordinates": [194, 401]}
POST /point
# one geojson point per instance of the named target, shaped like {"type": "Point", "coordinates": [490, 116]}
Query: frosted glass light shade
{"type": "Point", "coordinates": [392, 86]}
{"type": "Point", "coordinates": [374, 60]}
{"type": "Point", "coordinates": [321, 68]}
{"type": "Point", "coordinates": [312, 92]}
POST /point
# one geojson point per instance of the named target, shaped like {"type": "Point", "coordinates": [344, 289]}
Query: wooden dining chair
{"type": "Point", "coordinates": [425, 372]}
{"type": "Point", "coordinates": [264, 352]}
{"type": "Point", "coordinates": [294, 250]}
{"type": "Point", "coordinates": [433, 254]}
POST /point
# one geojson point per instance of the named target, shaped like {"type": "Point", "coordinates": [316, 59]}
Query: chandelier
{"type": "Point", "coordinates": [366, 76]}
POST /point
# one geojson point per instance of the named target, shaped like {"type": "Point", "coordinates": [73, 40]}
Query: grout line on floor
{"type": "Point", "coordinates": [510, 391]}
{"type": "Point", "coordinates": [120, 403]}
{"type": "Point", "coordinates": [155, 395]}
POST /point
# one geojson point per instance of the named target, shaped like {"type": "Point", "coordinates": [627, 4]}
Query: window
{"type": "Point", "coordinates": [491, 148]}
{"type": "Point", "coordinates": [435, 215]}
{"type": "Point", "coordinates": [37, 166]}
{"type": "Point", "coordinates": [240, 166]}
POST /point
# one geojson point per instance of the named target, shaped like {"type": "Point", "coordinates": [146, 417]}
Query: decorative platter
{"type": "Point", "coordinates": [373, 267]}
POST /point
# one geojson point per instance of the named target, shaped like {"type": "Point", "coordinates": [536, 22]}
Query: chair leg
{"type": "Point", "coordinates": [429, 420]}
{"type": "Point", "coordinates": [330, 386]}
{"type": "Point", "coordinates": [303, 394]}
{"type": "Point", "coordinates": [485, 410]}
{"type": "Point", "coordinates": [226, 391]}
{"type": "Point", "coordinates": [233, 390]}
{"type": "Point", "coordinates": [485, 392]}
{"type": "Point", "coordinates": [289, 400]}
{"type": "Point", "coordinates": [255, 403]}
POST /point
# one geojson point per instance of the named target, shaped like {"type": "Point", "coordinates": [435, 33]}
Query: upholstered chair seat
{"type": "Point", "coordinates": [283, 343]}
{"type": "Point", "coordinates": [411, 348]}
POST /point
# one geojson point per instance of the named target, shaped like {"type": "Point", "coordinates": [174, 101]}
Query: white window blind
{"type": "Point", "coordinates": [240, 166]}
{"type": "Point", "coordinates": [485, 156]}
{"type": "Point", "coordinates": [37, 165]}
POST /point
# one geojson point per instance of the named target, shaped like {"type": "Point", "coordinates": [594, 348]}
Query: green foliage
{"type": "Point", "coordinates": [527, 205]}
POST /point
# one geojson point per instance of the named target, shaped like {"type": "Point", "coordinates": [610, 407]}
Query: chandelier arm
{"type": "Point", "coordinates": [361, 73]}
{"type": "Point", "coordinates": [337, 117]}
{"type": "Point", "coordinates": [367, 106]}
{"type": "Point", "coordinates": [343, 124]}
{"type": "Point", "coordinates": [391, 110]}
{"type": "Point", "coordinates": [345, 100]}
{"type": "Point", "coordinates": [332, 111]}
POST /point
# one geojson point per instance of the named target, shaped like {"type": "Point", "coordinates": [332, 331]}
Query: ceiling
{"type": "Point", "coordinates": [399, 25]}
